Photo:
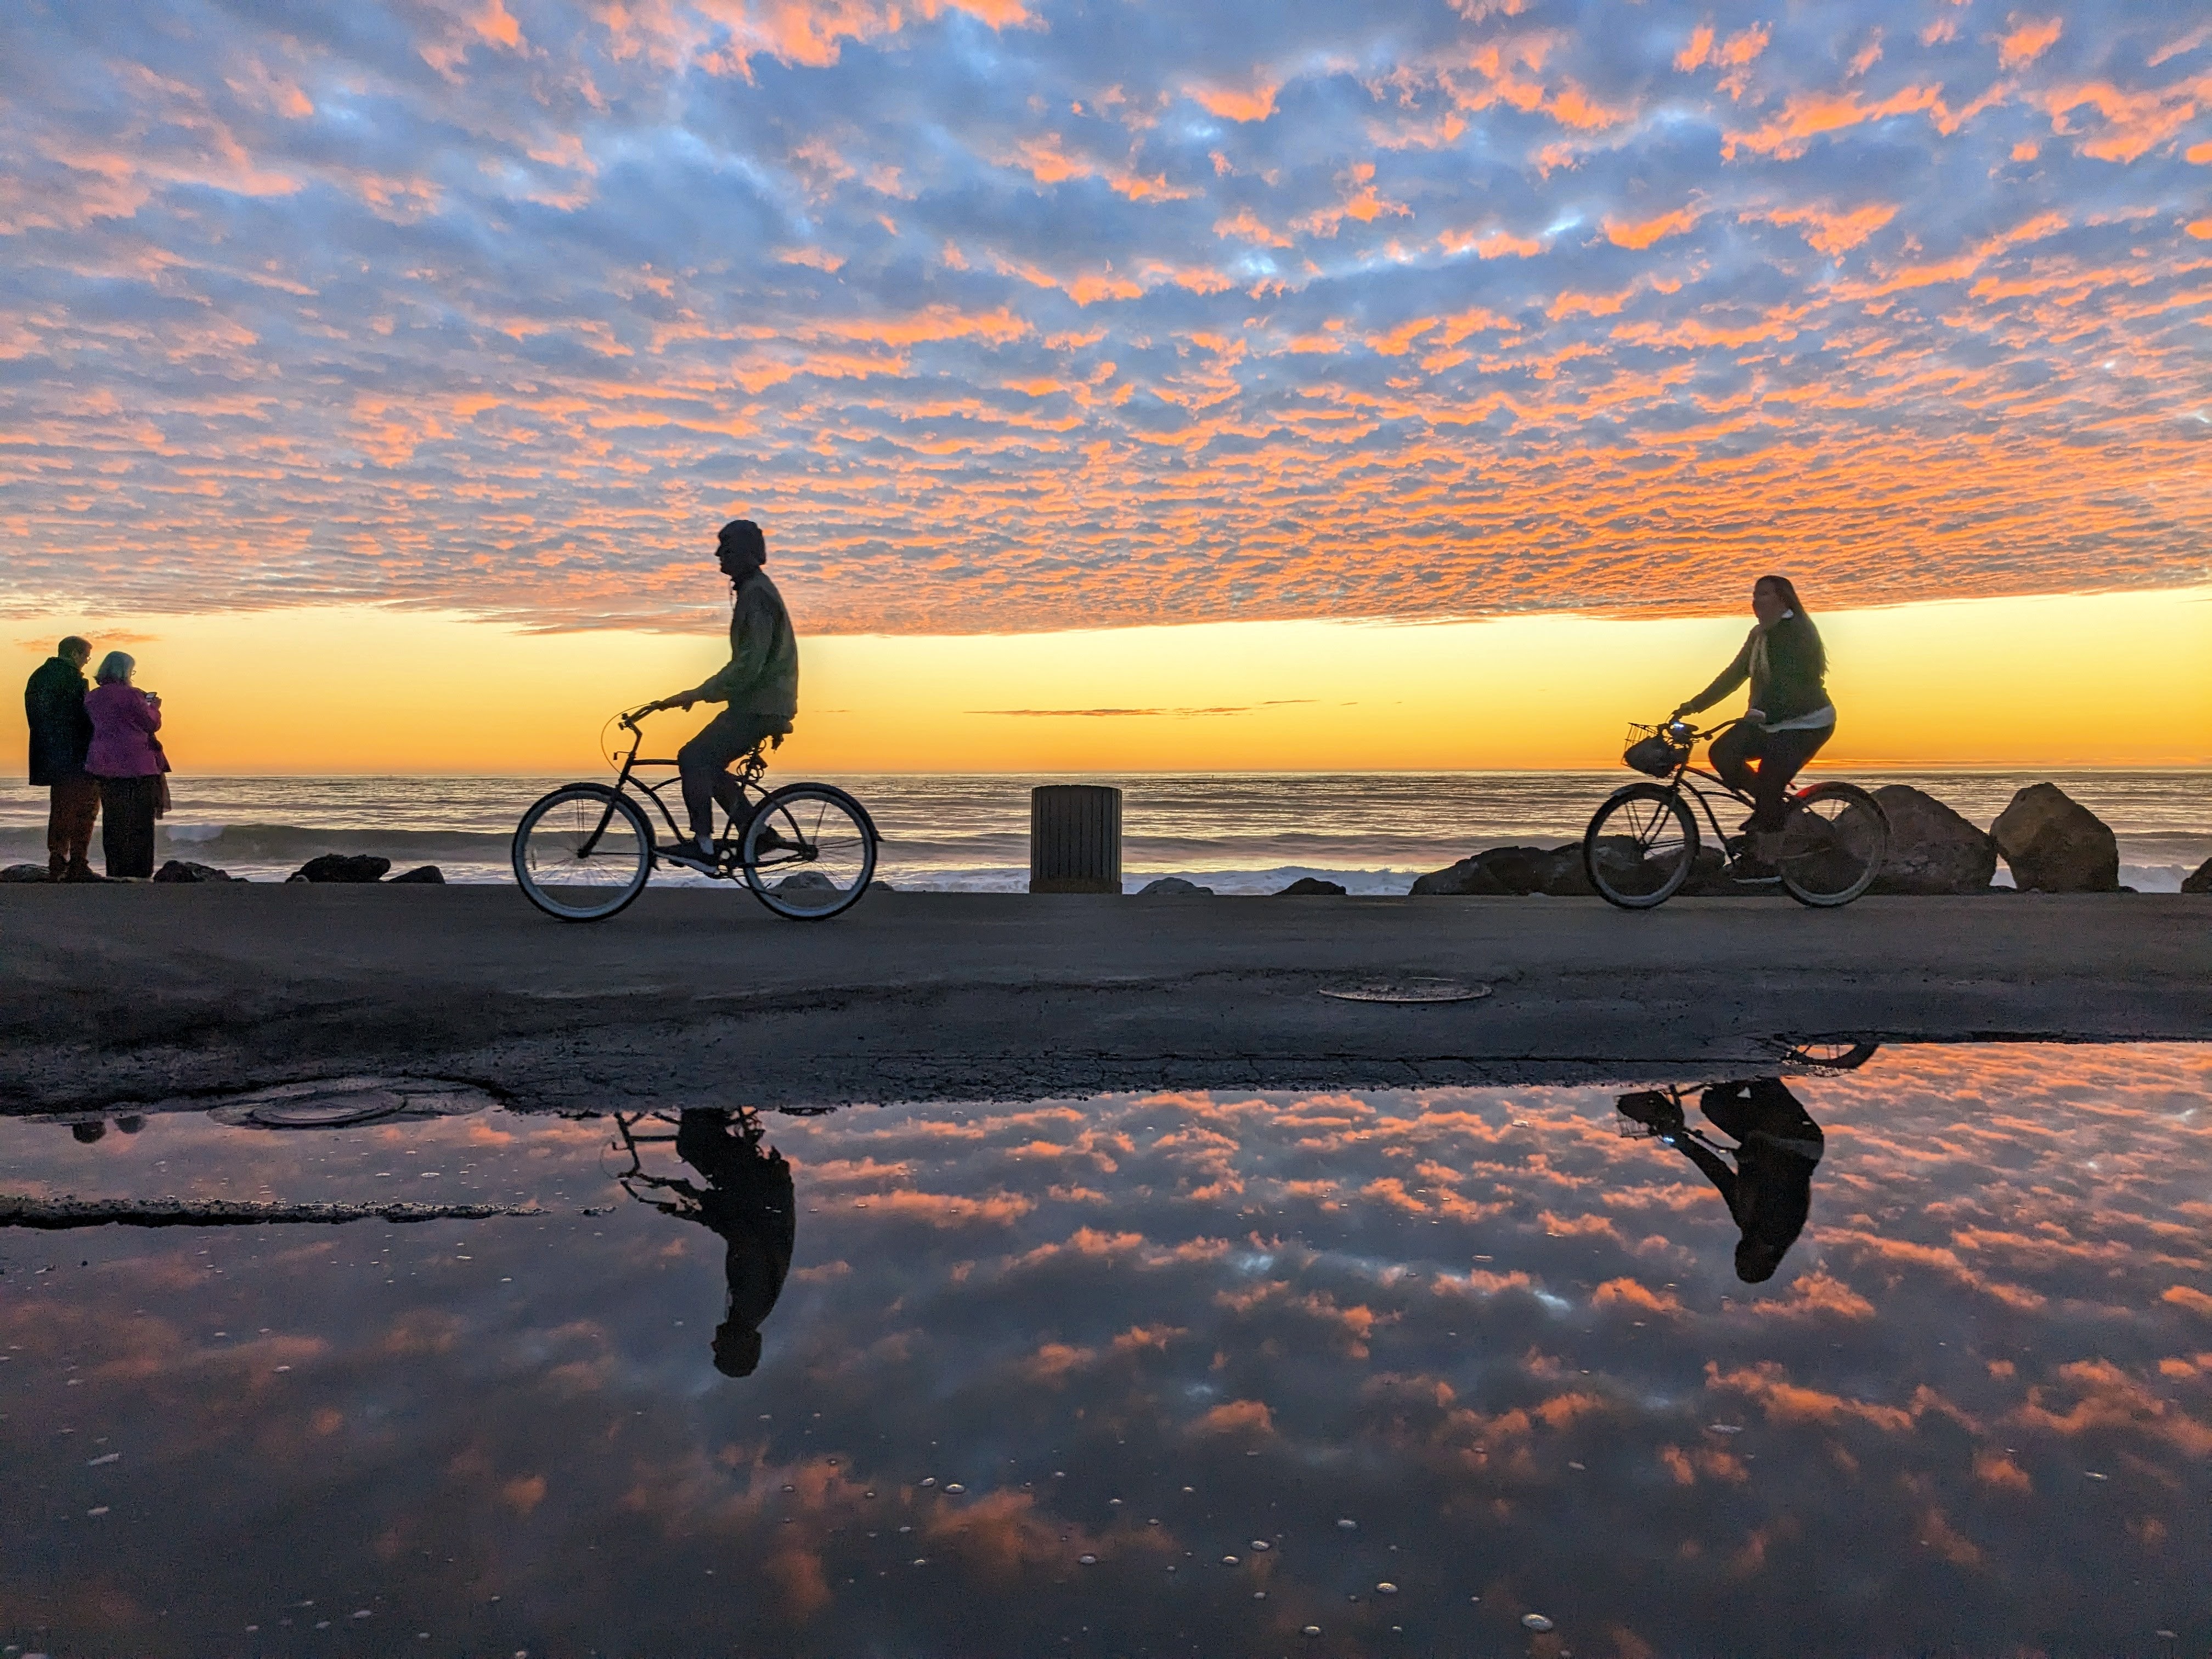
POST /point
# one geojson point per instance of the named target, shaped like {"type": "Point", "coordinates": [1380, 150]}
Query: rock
{"type": "Point", "coordinates": [1931, 848]}
{"type": "Point", "coordinates": [2055, 844]}
{"type": "Point", "coordinates": [806, 881]}
{"type": "Point", "coordinates": [1470, 876]}
{"type": "Point", "coordinates": [2201, 881]}
{"type": "Point", "coordinates": [1167, 886]}
{"type": "Point", "coordinates": [185, 870]}
{"type": "Point", "coordinates": [1563, 875]}
{"type": "Point", "coordinates": [424, 875]}
{"type": "Point", "coordinates": [24, 873]}
{"type": "Point", "coordinates": [1311, 887]}
{"type": "Point", "coordinates": [343, 866]}
{"type": "Point", "coordinates": [1555, 870]}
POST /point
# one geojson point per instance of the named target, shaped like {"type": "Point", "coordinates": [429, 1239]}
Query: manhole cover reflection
{"type": "Point", "coordinates": [1413, 988]}
{"type": "Point", "coordinates": [338, 1102]}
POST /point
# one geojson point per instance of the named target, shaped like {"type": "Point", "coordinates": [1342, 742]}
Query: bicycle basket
{"type": "Point", "coordinates": [1651, 751]}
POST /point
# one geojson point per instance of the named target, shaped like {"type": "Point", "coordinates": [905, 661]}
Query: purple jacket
{"type": "Point", "coordinates": [124, 721]}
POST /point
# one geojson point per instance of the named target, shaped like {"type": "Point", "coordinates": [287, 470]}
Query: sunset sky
{"type": "Point", "coordinates": [1399, 384]}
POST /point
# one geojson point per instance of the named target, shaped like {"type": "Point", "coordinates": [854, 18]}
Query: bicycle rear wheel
{"type": "Point", "coordinates": [582, 852]}
{"type": "Point", "coordinates": [1639, 848]}
{"type": "Point", "coordinates": [1833, 845]}
{"type": "Point", "coordinates": [809, 851]}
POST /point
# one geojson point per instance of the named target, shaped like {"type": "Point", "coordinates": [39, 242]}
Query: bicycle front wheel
{"type": "Point", "coordinates": [583, 853]}
{"type": "Point", "coordinates": [1639, 848]}
{"type": "Point", "coordinates": [809, 851]}
{"type": "Point", "coordinates": [1833, 845]}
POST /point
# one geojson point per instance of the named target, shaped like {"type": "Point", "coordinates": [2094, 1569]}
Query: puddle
{"type": "Point", "coordinates": [1459, 1370]}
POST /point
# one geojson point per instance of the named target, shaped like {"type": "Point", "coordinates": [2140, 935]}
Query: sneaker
{"type": "Point", "coordinates": [691, 857]}
{"type": "Point", "coordinates": [769, 842]}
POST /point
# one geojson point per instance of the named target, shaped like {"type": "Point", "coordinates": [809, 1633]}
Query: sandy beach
{"type": "Point", "coordinates": [139, 995]}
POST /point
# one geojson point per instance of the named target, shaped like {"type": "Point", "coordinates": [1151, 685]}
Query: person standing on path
{"type": "Point", "coordinates": [126, 757]}
{"type": "Point", "coordinates": [61, 733]}
{"type": "Point", "coordinates": [759, 686]}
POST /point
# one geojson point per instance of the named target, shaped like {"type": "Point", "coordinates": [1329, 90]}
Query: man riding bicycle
{"type": "Point", "coordinates": [759, 687]}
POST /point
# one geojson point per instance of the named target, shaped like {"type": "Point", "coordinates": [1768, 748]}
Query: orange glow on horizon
{"type": "Point", "coordinates": [2104, 680]}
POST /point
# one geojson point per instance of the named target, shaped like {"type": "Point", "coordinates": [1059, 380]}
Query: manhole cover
{"type": "Point", "coordinates": [1411, 989]}
{"type": "Point", "coordinates": [325, 1111]}
{"type": "Point", "coordinates": [337, 1102]}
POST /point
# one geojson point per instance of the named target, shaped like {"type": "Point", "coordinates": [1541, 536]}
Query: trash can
{"type": "Point", "coordinates": [1075, 838]}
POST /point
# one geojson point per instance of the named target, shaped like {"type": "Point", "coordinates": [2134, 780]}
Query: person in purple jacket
{"type": "Point", "coordinates": [127, 759]}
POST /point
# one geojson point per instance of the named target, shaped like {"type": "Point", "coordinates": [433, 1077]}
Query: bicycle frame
{"type": "Point", "coordinates": [746, 772]}
{"type": "Point", "coordinates": [1680, 785]}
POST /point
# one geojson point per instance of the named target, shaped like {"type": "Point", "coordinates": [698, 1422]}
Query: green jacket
{"type": "Point", "coordinates": [1784, 665]}
{"type": "Point", "coordinates": [762, 676]}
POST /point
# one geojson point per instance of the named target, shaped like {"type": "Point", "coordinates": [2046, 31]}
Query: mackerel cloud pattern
{"type": "Point", "coordinates": [1009, 313]}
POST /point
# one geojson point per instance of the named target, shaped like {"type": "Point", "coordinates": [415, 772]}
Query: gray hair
{"type": "Point", "coordinates": [114, 667]}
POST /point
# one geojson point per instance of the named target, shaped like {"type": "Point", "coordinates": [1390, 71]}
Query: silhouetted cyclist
{"type": "Point", "coordinates": [759, 685]}
{"type": "Point", "coordinates": [1769, 1190]}
{"type": "Point", "coordinates": [748, 1200]}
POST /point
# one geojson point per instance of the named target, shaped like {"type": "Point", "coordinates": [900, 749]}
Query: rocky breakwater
{"type": "Point", "coordinates": [2050, 842]}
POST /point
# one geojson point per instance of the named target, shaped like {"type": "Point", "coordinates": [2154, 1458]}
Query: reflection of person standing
{"type": "Point", "coordinates": [61, 733]}
{"type": "Point", "coordinates": [126, 757]}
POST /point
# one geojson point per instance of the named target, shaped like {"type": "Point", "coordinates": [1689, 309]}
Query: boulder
{"type": "Point", "coordinates": [2055, 844]}
{"type": "Point", "coordinates": [424, 875]}
{"type": "Point", "coordinates": [343, 866]}
{"type": "Point", "coordinates": [24, 873]}
{"type": "Point", "coordinates": [2201, 881]}
{"type": "Point", "coordinates": [1311, 887]}
{"type": "Point", "coordinates": [185, 870]}
{"type": "Point", "coordinates": [1168, 885]}
{"type": "Point", "coordinates": [1469, 875]}
{"type": "Point", "coordinates": [1931, 848]}
{"type": "Point", "coordinates": [1561, 875]}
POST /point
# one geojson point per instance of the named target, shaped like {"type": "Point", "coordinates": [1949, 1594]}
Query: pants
{"type": "Point", "coordinates": [1781, 756]}
{"type": "Point", "coordinates": [705, 763]}
{"type": "Point", "coordinates": [73, 808]}
{"type": "Point", "coordinates": [127, 835]}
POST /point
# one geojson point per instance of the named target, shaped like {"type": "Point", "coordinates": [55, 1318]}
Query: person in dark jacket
{"type": "Point", "coordinates": [759, 685]}
{"type": "Point", "coordinates": [61, 733]}
{"type": "Point", "coordinates": [1790, 716]}
{"type": "Point", "coordinates": [1769, 1189]}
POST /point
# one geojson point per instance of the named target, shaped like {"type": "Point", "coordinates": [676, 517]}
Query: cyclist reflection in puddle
{"type": "Point", "coordinates": [1769, 1188]}
{"type": "Point", "coordinates": [747, 1200]}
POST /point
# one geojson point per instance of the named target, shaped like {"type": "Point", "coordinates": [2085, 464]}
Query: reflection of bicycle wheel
{"type": "Point", "coordinates": [809, 851]}
{"type": "Point", "coordinates": [1840, 1055]}
{"type": "Point", "coordinates": [1639, 848]}
{"type": "Point", "coordinates": [583, 853]}
{"type": "Point", "coordinates": [1832, 845]}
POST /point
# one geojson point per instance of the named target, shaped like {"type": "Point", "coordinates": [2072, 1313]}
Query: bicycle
{"type": "Point", "coordinates": [583, 853]}
{"type": "Point", "coordinates": [1643, 846]}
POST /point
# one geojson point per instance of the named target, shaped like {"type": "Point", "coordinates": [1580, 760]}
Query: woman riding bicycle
{"type": "Point", "coordinates": [1790, 717]}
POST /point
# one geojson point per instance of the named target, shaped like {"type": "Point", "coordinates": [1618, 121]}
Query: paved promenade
{"type": "Point", "coordinates": [151, 995]}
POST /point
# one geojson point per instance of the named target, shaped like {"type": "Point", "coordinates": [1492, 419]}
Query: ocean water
{"type": "Point", "coordinates": [1236, 833]}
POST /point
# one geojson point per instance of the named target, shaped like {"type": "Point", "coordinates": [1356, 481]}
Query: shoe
{"type": "Point", "coordinates": [79, 872]}
{"type": "Point", "coordinates": [770, 842]}
{"type": "Point", "coordinates": [692, 858]}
